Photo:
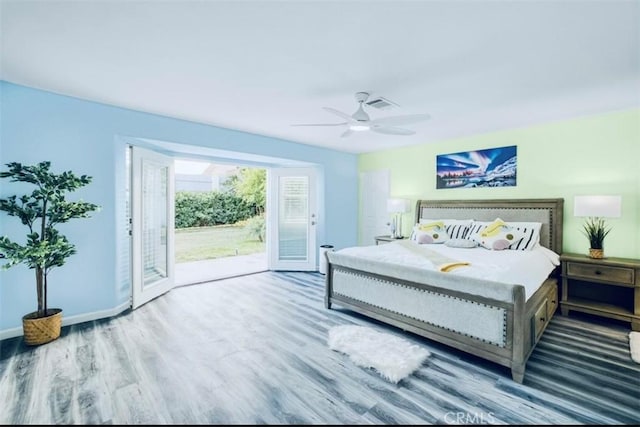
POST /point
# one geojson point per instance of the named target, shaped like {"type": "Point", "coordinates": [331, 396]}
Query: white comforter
{"type": "Point", "coordinates": [527, 268]}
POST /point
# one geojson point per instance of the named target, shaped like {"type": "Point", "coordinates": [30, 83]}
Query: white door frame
{"type": "Point", "coordinates": [307, 261]}
{"type": "Point", "coordinates": [142, 160]}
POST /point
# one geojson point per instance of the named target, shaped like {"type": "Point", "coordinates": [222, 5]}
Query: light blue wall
{"type": "Point", "coordinates": [87, 138]}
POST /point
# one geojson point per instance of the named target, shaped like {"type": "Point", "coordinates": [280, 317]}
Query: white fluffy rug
{"type": "Point", "coordinates": [393, 357]}
{"type": "Point", "coordinates": [634, 346]}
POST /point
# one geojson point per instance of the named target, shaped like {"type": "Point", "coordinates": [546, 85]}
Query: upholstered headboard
{"type": "Point", "coordinates": [547, 211]}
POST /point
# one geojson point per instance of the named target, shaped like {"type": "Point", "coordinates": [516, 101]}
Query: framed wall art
{"type": "Point", "coordinates": [492, 167]}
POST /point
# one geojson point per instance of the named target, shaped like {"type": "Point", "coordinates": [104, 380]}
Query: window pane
{"type": "Point", "coordinates": [154, 222]}
{"type": "Point", "coordinates": [293, 218]}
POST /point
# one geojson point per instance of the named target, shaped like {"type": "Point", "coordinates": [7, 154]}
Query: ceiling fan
{"type": "Point", "coordinates": [360, 120]}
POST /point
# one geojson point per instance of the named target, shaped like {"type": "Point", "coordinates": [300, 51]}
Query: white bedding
{"type": "Point", "coordinates": [527, 268]}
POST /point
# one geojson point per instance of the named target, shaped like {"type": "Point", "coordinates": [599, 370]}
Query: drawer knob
{"type": "Point", "coordinates": [542, 319]}
{"type": "Point", "coordinates": [598, 272]}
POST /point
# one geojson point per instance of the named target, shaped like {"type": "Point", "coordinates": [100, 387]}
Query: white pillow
{"type": "Point", "coordinates": [498, 235]}
{"type": "Point", "coordinates": [456, 228]}
{"type": "Point", "coordinates": [475, 228]}
{"type": "Point", "coordinates": [433, 232]}
{"type": "Point", "coordinates": [531, 232]}
{"type": "Point", "coordinates": [461, 243]}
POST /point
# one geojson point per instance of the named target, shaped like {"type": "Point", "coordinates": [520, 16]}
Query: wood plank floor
{"type": "Point", "coordinates": [252, 350]}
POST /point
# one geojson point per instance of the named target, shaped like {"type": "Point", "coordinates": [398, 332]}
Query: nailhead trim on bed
{"type": "Point", "coordinates": [501, 344]}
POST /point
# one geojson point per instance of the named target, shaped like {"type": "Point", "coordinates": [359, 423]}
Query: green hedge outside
{"type": "Point", "coordinates": [210, 208]}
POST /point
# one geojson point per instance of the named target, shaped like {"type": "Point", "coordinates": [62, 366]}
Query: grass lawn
{"type": "Point", "coordinates": [195, 244]}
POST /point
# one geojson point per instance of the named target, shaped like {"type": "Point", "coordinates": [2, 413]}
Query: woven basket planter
{"type": "Point", "coordinates": [596, 253]}
{"type": "Point", "coordinates": [41, 330]}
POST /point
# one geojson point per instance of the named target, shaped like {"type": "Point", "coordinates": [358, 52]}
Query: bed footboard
{"type": "Point", "coordinates": [501, 330]}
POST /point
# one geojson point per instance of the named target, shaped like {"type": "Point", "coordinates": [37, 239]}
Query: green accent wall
{"type": "Point", "coordinates": [597, 154]}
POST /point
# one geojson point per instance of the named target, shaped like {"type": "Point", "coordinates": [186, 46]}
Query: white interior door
{"type": "Point", "coordinates": [153, 225]}
{"type": "Point", "coordinates": [374, 192]}
{"type": "Point", "coordinates": [292, 218]}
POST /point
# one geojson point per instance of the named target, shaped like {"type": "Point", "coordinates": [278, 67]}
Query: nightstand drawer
{"type": "Point", "coordinates": [619, 275]}
{"type": "Point", "coordinates": [539, 320]}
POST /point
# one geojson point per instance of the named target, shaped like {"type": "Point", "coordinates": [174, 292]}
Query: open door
{"type": "Point", "coordinates": [152, 225]}
{"type": "Point", "coordinates": [292, 219]}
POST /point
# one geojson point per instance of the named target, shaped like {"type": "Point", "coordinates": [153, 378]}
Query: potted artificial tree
{"type": "Point", "coordinates": [41, 211]}
{"type": "Point", "coordinates": [595, 230]}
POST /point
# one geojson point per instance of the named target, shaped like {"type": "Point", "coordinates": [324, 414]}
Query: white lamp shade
{"type": "Point", "coordinates": [397, 205]}
{"type": "Point", "coordinates": [597, 206]}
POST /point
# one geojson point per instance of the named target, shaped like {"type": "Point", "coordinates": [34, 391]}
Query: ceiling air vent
{"type": "Point", "coordinates": [382, 103]}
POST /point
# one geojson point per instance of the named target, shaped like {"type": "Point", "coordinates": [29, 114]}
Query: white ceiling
{"type": "Point", "coordinates": [260, 66]}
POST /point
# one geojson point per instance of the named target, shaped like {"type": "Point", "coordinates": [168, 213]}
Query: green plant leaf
{"type": "Point", "coordinates": [40, 210]}
{"type": "Point", "coordinates": [595, 230]}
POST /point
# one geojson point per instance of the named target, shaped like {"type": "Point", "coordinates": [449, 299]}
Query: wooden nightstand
{"type": "Point", "coordinates": [385, 239]}
{"type": "Point", "coordinates": [608, 287]}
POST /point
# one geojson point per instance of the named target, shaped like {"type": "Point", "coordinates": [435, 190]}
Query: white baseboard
{"type": "Point", "coordinates": [72, 320]}
{"type": "Point", "coordinates": [10, 333]}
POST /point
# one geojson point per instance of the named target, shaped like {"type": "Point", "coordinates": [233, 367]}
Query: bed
{"type": "Point", "coordinates": [490, 317]}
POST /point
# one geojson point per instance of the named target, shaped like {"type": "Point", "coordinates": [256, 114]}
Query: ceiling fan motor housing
{"type": "Point", "coordinates": [361, 96]}
{"type": "Point", "coordinates": [360, 115]}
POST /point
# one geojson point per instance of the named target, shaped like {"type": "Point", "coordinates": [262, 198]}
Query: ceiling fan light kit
{"type": "Point", "coordinates": [360, 120]}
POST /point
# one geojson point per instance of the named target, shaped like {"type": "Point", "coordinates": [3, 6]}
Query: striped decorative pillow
{"type": "Point", "coordinates": [475, 229]}
{"type": "Point", "coordinates": [531, 231]}
{"type": "Point", "coordinates": [498, 236]}
{"type": "Point", "coordinates": [456, 228]}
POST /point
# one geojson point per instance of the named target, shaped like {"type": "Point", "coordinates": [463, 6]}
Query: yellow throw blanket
{"type": "Point", "coordinates": [447, 267]}
{"type": "Point", "coordinates": [442, 263]}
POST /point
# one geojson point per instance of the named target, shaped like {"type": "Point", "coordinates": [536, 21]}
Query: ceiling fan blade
{"type": "Point", "coordinates": [345, 116]}
{"type": "Point", "coordinates": [320, 124]}
{"type": "Point", "coordinates": [346, 133]}
{"type": "Point", "coordinates": [400, 120]}
{"type": "Point", "coordinates": [389, 130]}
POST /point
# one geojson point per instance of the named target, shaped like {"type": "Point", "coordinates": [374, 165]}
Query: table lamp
{"type": "Point", "coordinates": [397, 207]}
